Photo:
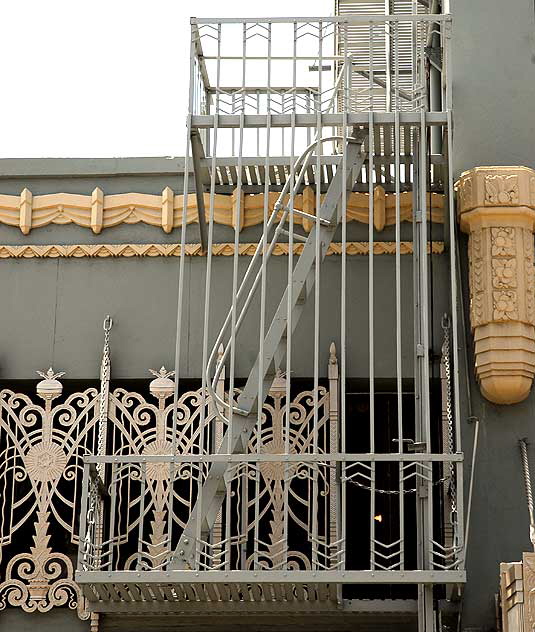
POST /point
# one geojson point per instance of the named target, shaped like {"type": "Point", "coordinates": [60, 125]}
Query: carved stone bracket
{"type": "Point", "coordinates": [517, 594]}
{"type": "Point", "coordinates": [497, 210]}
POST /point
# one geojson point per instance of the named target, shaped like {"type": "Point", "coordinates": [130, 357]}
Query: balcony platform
{"type": "Point", "coordinates": [253, 591]}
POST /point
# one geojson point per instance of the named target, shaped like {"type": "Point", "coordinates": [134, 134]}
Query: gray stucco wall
{"type": "Point", "coordinates": [52, 309]}
{"type": "Point", "coordinates": [57, 620]}
{"type": "Point", "coordinates": [493, 83]}
{"type": "Point", "coordinates": [494, 92]}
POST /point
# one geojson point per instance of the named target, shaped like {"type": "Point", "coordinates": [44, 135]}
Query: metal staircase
{"type": "Point", "coordinates": [212, 493]}
{"type": "Point", "coordinates": [258, 499]}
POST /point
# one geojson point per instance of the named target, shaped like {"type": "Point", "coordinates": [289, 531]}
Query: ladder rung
{"type": "Point", "coordinates": [312, 218]}
{"type": "Point", "coordinates": [296, 236]}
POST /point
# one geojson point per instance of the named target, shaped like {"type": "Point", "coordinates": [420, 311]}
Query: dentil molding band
{"type": "Point", "coordinates": [98, 211]}
{"type": "Point", "coordinates": [193, 250]}
{"type": "Point", "coordinates": [497, 209]}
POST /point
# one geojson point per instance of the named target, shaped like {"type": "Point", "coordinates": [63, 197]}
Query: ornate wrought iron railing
{"type": "Point", "coordinates": [45, 447]}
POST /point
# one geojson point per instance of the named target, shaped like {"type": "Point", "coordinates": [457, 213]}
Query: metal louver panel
{"type": "Point", "coordinates": [386, 72]}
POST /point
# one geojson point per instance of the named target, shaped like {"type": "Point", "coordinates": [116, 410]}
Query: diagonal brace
{"type": "Point", "coordinates": [197, 154]}
{"type": "Point", "coordinates": [213, 490]}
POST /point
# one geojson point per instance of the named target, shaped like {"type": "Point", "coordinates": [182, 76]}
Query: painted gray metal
{"type": "Point", "coordinates": [492, 62]}
{"type": "Point", "coordinates": [205, 121]}
{"type": "Point", "coordinates": [421, 120]}
{"type": "Point", "coordinates": [283, 577]}
{"type": "Point", "coordinates": [195, 548]}
{"type": "Point", "coordinates": [211, 496]}
{"type": "Point", "coordinates": [277, 458]}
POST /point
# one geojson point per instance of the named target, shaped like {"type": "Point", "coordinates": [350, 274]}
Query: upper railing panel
{"type": "Point", "coordinates": [342, 64]}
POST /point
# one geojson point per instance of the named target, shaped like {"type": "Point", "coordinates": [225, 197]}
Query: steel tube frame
{"type": "Point", "coordinates": [364, 18]}
{"type": "Point", "coordinates": [275, 342]}
{"type": "Point", "coordinates": [270, 577]}
{"type": "Point", "coordinates": [337, 457]}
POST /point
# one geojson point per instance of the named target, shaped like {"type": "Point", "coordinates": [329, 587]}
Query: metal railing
{"type": "Point", "coordinates": [256, 506]}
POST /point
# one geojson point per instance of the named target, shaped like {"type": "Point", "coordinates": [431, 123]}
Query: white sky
{"type": "Point", "coordinates": [83, 78]}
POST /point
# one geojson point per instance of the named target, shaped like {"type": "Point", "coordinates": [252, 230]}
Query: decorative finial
{"type": "Point", "coordinates": [332, 354]}
{"type": "Point", "coordinates": [162, 386]}
{"type": "Point", "coordinates": [49, 387]}
{"type": "Point", "coordinates": [50, 375]}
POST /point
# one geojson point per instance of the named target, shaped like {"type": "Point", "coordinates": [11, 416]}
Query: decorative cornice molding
{"type": "Point", "coordinates": [76, 251]}
{"type": "Point", "coordinates": [497, 209]}
{"type": "Point", "coordinates": [487, 188]}
{"type": "Point", "coordinates": [98, 211]}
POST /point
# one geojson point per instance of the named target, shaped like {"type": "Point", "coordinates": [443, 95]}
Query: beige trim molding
{"type": "Point", "coordinates": [193, 250]}
{"type": "Point", "coordinates": [517, 592]}
{"type": "Point", "coordinates": [98, 211]}
{"type": "Point", "coordinates": [497, 209]}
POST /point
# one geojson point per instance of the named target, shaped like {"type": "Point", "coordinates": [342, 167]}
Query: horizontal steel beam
{"type": "Point", "coordinates": [332, 160]}
{"type": "Point", "coordinates": [274, 161]}
{"type": "Point", "coordinates": [348, 606]}
{"type": "Point", "coordinates": [205, 121]}
{"type": "Point", "coordinates": [272, 577]}
{"type": "Point", "coordinates": [287, 90]}
{"type": "Point", "coordinates": [219, 607]}
{"type": "Point", "coordinates": [365, 18]}
{"type": "Point", "coordinates": [278, 458]}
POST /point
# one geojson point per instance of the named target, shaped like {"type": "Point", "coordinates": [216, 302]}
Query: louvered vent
{"type": "Point", "coordinates": [386, 71]}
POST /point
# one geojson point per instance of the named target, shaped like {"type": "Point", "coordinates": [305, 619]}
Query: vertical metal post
{"type": "Point", "coordinates": [388, 59]}
{"type": "Point", "coordinates": [371, 296]}
{"type": "Point", "coordinates": [342, 512]}
{"type": "Point", "coordinates": [399, 368]}
{"type": "Point", "coordinates": [140, 541]}
{"type": "Point", "coordinates": [334, 479]}
{"type": "Point", "coordinates": [263, 291]}
{"type": "Point", "coordinates": [208, 279]}
{"type": "Point", "coordinates": [86, 478]}
{"type": "Point", "coordinates": [180, 288]}
{"type": "Point", "coordinates": [317, 295]}
{"type": "Point", "coordinates": [289, 311]}
{"type": "Point", "coordinates": [422, 409]}
{"type": "Point", "coordinates": [113, 508]}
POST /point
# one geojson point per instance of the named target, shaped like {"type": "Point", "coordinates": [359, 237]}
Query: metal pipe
{"type": "Point", "coordinates": [471, 483]}
{"type": "Point", "coordinates": [371, 298]}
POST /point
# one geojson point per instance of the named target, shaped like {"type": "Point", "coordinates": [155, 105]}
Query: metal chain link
{"type": "Point", "coordinates": [91, 524]}
{"type": "Point", "coordinates": [527, 484]}
{"type": "Point", "coordinates": [451, 442]}
{"type": "Point", "coordinates": [104, 393]}
{"type": "Point", "coordinates": [396, 492]}
{"type": "Point", "coordinates": [446, 360]}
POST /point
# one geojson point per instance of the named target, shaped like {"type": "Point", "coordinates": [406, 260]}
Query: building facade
{"type": "Point", "coordinates": [282, 380]}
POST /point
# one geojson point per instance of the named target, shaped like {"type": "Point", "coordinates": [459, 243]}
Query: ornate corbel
{"type": "Point", "coordinates": [497, 209]}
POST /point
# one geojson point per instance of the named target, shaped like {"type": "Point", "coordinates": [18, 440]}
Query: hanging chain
{"type": "Point", "coordinates": [450, 477]}
{"type": "Point", "coordinates": [395, 492]}
{"type": "Point", "coordinates": [92, 525]}
{"type": "Point", "coordinates": [527, 483]}
{"type": "Point", "coordinates": [446, 361]}
{"type": "Point", "coordinates": [104, 393]}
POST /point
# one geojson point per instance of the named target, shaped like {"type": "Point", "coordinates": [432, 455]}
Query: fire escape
{"type": "Point", "coordinates": [247, 510]}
